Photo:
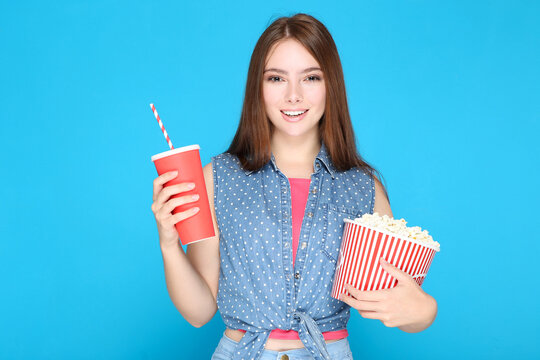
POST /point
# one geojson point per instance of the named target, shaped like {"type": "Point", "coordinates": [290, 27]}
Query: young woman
{"type": "Point", "coordinates": [279, 195]}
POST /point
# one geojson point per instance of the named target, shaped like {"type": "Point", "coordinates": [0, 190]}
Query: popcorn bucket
{"type": "Point", "coordinates": [361, 248]}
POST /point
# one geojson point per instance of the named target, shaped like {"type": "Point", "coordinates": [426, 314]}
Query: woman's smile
{"type": "Point", "coordinates": [293, 115]}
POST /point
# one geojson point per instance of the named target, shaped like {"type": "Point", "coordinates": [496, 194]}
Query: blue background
{"type": "Point", "coordinates": [444, 98]}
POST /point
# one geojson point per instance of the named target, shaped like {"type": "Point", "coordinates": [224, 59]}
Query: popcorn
{"type": "Point", "coordinates": [397, 227]}
{"type": "Point", "coordinates": [369, 238]}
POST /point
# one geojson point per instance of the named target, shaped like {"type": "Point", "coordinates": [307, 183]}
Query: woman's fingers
{"type": "Point", "coordinates": [160, 180]}
{"type": "Point", "coordinates": [373, 295]}
{"type": "Point", "coordinates": [168, 191]}
{"type": "Point", "coordinates": [361, 305]}
{"type": "Point", "coordinates": [184, 214]}
{"type": "Point", "coordinates": [181, 200]}
{"type": "Point", "coordinates": [370, 315]}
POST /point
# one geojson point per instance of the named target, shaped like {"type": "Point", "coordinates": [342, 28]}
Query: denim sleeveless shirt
{"type": "Point", "coordinates": [259, 290]}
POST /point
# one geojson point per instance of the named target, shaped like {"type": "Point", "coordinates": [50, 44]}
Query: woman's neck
{"type": "Point", "coordinates": [304, 147]}
{"type": "Point", "coordinates": [295, 156]}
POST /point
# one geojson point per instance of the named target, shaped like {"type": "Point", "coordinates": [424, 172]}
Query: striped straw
{"type": "Point", "coordinates": [161, 126]}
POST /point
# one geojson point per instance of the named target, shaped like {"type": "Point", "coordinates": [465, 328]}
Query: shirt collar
{"type": "Point", "coordinates": [322, 157]}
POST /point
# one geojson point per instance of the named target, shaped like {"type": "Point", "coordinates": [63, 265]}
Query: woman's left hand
{"type": "Point", "coordinates": [406, 305]}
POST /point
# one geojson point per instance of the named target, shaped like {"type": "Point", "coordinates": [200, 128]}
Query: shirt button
{"type": "Point", "coordinates": [314, 191]}
{"type": "Point", "coordinates": [318, 165]}
{"type": "Point", "coordinates": [304, 244]}
{"type": "Point", "coordinates": [286, 244]}
{"type": "Point", "coordinates": [310, 214]}
{"type": "Point", "coordinates": [284, 357]}
{"type": "Point", "coordinates": [297, 275]}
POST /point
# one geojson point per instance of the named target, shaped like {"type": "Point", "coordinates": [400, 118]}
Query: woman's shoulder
{"type": "Point", "coordinates": [226, 157]}
{"type": "Point", "coordinates": [358, 178]}
{"type": "Point", "coordinates": [358, 174]}
{"type": "Point", "coordinates": [226, 161]}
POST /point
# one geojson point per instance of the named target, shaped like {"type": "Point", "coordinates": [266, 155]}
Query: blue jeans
{"type": "Point", "coordinates": [339, 350]}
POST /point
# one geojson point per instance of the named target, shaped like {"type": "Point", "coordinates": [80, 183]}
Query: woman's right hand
{"type": "Point", "coordinates": [163, 206]}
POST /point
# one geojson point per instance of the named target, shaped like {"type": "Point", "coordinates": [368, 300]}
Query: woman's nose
{"type": "Point", "coordinates": [294, 93]}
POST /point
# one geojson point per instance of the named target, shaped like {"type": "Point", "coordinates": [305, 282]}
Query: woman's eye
{"type": "Point", "coordinates": [313, 78]}
{"type": "Point", "coordinates": [274, 79]}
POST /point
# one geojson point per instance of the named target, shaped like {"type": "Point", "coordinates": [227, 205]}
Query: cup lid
{"type": "Point", "coordinates": [175, 151]}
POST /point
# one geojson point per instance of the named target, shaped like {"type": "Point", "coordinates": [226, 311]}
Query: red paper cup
{"type": "Point", "coordinates": [187, 161]}
{"type": "Point", "coordinates": [362, 247]}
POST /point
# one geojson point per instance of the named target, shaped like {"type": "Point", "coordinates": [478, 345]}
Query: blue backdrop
{"type": "Point", "coordinates": [444, 98]}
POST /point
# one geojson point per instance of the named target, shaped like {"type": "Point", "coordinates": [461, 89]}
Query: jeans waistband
{"type": "Point", "coordinates": [339, 349]}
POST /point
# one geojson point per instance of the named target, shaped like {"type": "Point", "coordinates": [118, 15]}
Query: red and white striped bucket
{"type": "Point", "coordinates": [362, 247]}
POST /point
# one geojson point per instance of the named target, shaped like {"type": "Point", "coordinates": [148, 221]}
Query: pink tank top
{"type": "Point", "coordinates": [299, 196]}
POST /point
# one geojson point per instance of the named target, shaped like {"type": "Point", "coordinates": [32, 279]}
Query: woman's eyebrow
{"type": "Point", "coordinates": [279, 71]}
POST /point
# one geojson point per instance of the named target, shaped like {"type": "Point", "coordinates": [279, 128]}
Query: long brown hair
{"type": "Point", "coordinates": [251, 143]}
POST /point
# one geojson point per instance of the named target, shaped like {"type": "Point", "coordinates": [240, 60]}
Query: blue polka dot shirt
{"type": "Point", "coordinates": [259, 289]}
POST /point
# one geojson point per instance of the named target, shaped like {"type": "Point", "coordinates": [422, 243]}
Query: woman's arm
{"type": "Point", "coordinates": [192, 277]}
{"type": "Point", "coordinates": [405, 306]}
{"type": "Point", "coordinates": [382, 206]}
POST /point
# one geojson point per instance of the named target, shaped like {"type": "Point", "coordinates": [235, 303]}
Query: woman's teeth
{"type": "Point", "coordinates": [293, 113]}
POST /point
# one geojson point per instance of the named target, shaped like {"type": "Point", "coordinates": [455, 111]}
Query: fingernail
{"type": "Point", "coordinates": [174, 173]}
{"type": "Point", "coordinates": [195, 197]}
{"type": "Point", "coordinates": [384, 261]}
{"type": "Point", "coordinates": [191, 185]}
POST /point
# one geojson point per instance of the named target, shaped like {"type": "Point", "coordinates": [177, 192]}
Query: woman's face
{"type": "Point", "coordinates": [293, 89]}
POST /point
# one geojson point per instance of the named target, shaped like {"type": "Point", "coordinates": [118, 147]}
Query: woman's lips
{"type": "Point", "coordinates": [293, 118]}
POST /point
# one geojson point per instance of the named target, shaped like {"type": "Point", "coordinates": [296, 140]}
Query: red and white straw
{"type": "Point", "coordinates": [161, 126]}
